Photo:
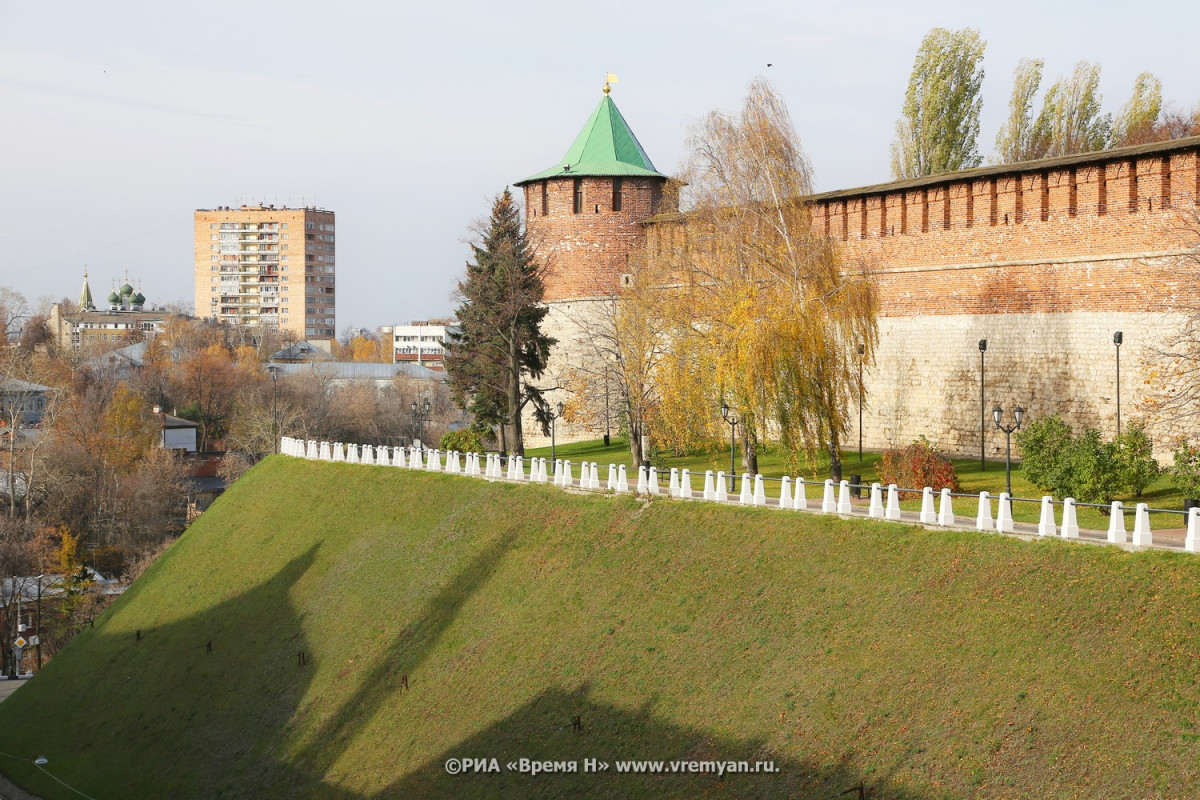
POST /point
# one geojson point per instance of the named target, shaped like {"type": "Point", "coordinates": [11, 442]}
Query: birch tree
{"type": "Point", "coordinates": [939, 125]}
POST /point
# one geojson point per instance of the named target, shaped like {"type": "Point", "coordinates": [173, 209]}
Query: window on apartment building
{"type": "Point", "coordinates": [216, 248]}
{"type": "Point", "coordinates": [212, 226]}
{"type": "Point", "coordinates": [578, 207]}
{"type": "Point", "coordinates": [213, 237]}
{"type": "Point", "coordinates": [616, 201]}
{"type": "Point", "coordinates": [283, 258]}
{"type": "Point", "coordinates": [283, 247]}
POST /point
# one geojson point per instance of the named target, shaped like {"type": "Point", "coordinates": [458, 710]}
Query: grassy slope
{"type": "Point", "coordinates": [929, 664]}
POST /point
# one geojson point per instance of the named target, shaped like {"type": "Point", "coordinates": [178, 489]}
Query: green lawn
{"type": "Point", "coordinates": [773, 463]}
{"type": "Point", "coordinates": [924, 664]}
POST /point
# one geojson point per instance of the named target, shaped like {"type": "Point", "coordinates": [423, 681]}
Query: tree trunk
{"type": "Point", "coordinates": [835, 461]}
{"type": "Point", "coordinates": [514, 393]}
{"type": "Point", "coordinates": [635, 438]}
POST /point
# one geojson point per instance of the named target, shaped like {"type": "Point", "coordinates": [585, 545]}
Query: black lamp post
{"type": "Point", "coordinates": [1019, 415]}
{"type": "Point", "coordinates": [982, 407]}
{"type": "Point", "coordinates": [419, 415]}
{"type": "Point", "coordinates": [861, 351]}
{"type": "Point", "coordinates": [1118, 337]}
{"type": "Point", "coordinates": [730, 417]}
{"type": "Point", "coordinates": [553, 415]}
{"type": "Point", "coordinates": [274, 370]}
{"type": "Point", "coordinates": [607, 432]}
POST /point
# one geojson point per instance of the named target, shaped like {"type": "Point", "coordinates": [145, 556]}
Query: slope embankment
{"type": "Point", "coordinates": [341, 631]}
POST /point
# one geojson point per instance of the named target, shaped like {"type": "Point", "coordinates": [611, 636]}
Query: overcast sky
{"type": "Point", "coordinates": [121, 118]}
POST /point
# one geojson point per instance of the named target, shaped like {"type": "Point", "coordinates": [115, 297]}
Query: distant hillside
{"type": "Point", "coordinates": [923, 664]}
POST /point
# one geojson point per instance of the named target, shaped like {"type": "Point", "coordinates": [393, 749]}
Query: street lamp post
{"type": "Point", "coordinates": [553, 415]}
{"type": "Point", "coordinates": [731, 419]}
{"type": "Point", "coordinates": [420, 413]}
{"type": "Point", "coordinates": [861, 350]}
{"type": "Point", "coordinates": [607, 432]}
{"type": "Point", "coordinates": [997, 415]}
{"type": "Point", "coordinates": [38, 647]}
{"type": "Point", "coordinates": [274, 370]}
{"type": "Point", "coordinates": [982, 407]}
{"type": "Point", "coordinates": [1118, 338]}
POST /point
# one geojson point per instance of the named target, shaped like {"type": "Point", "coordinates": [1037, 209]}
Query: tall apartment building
{"type": "Point", "coordinates": [262, 265]}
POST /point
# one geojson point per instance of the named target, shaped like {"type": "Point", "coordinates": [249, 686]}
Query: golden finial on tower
{"type": "Point", "coordinates": [610, 78]}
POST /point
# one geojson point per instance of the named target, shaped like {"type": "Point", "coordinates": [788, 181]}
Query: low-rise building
{"type": "Point", "coordinates": [421, 343]}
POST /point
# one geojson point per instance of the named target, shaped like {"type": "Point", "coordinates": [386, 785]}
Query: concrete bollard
{"type": "Point", "coordinates": [843, 505]}
{"type": "Point", "coordinates": [893, 503]}
{"type": "Point", "coordinates": [612, 477]}
{"type": "Point", "coordinates": [558, 462]}
{"type": "Point", "coordinates": [339, 452]}
{"type": "Point", "coordinates": [1070, 525]}
{"type": "Point", "coordinates": [508, 468]}
{"type": "Point", "coordinates": [1191, 542]}
{"type": "Point", "coordinates": [543, 470]}
{"type": "Point", "coordinates": [1046, 526]}
{"type": "Point", "coordinates": [685, 485]}
{"type": "Point", "coordinates": [785, 492]}
{"type": "Point", "coordinates": [760, 491]}
{"type": "Point", "coordinates": [710, 492]}
{"type": "Point", "coordinates": [1141, 527]}
{"type": "Point", "coordinates": [946, 510]}
{"type": "Point", "coordinates": [1004, 520]}
{"type": "Point", "coordinates": [435, 460]}
{"type": "Point", "coordinates": [828, 501]}
{"type": "Point", "coordinates": [927, 517]}
{"type": "Point", "coordinates": [351, 454]}
{"type": "Point", "coordinates": [1116, 524]}
{"type": "Point", "coordinates": [744, 497]}
{"type": "Point", "coordinates": [875, 509]}
{"type": "Point", "coordinates": [519, 469]}
{"type": "Point", "coordinates": [568, 478]}
{"type": "Point", "coordinates": [720, 494]}
{"type": "Point", "coordinates": [642, 487]}
{"type": "Point", "coordinates": [673, 487]}
{"type": "Point", "coordinates": [983, 520]}
{"type": "Point", "coordinates": [399, 457]}
{"type": "Point", "coordinates": [800, 496]}
{"type": "Point", "coordinates": [414, 459]}
{"type": "Point", "coordinates": [652, 479]}
{"type": "Point", "coordinates": [622, 481]}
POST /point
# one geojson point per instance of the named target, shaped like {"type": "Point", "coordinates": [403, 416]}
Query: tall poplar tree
{"type": "Point", "coordinates": [1071, 113]}
{"type": "Point", "coordinates": [1021, 138]}
{"type": "Point", "coordinates": [940, 121]}
{"type": "Point", "coordinates": [500, 348]}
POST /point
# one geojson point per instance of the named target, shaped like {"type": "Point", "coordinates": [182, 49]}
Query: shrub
{"type": "Point", "coordinates": [917, 466]}
{"type": "Point", "coordinates": [1084, 467]}
{"type": "Point", "coordinates": [1044, 443]}
{"type": "Point", "coordinates": [466, 440]}
{"type": "Point", "coordinates": [1135, 459]}
{"type": "Point", "coordinates": [1185, 475]}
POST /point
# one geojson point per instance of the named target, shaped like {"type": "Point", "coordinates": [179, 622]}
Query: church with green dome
{"type": "Point", "coordinates": [123, 319]}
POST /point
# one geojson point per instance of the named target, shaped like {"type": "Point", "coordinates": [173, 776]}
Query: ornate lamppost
{"type": "Point", "coordinates": [1018, 415]}
{"type": "Point", "coordinates": [730, 417]}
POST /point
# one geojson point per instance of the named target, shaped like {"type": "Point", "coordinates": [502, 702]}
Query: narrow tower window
{"type": "Point", "coordinates": [578, 196]}
{"type": "Point", "coordinates": [616, 204]}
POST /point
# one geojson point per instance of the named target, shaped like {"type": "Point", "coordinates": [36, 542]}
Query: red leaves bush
{"type": "Point", "coordinates": [917, 466]}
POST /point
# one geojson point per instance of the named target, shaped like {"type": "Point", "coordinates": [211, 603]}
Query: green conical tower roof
{"type": "Point", "coordinates": [606, 146]}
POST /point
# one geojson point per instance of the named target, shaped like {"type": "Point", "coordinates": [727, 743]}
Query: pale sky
{"type": "Point", "coordinates": [121, 118]}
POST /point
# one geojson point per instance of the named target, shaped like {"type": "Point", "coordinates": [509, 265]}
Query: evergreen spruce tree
{"type": "Point", "coordinates": [500, 349]}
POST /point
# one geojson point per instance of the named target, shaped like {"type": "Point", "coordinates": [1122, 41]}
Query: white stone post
{"type": "Point", "coordinates": [612, 477]}
{"type": "Point", "coordinates": [435, 459]}
{"type": "Point", "coordinates": [351, 454]}
{"type": "Point", "coordinates": [673, 486]}
{"type": "Point", "coordinates": [1004, 520]}
{"type": "Point", "coordinates": [745, 497]}
{"type": "Point", "coordinates": [875, 509]}
{"type": "Point", "coordinates": [893, 503]}
{"type": "Point", "coordinates": [1070, 524]}
{"type": "Point", "coordinates": [760, 491]}
{"type": "Point", "coordinates": [1116, 524]}
{"type": "Point", "coordinates": [710, 493]}
{"type": "Point", "coordinates": [622, 480]}
{"type": "Point", "coordinates": [414, 460]}
{"type": "Point", "coordinates": [685, 484]}
{"type": "Point", "coordinates": [828, 500]}
{"type": "Point", "coordinates": [844, 506]}
{"type": "Point", "coordinates": [800, 498]}
{"type": "Point", "coordinates": [785, 492]}
{"type": "Point", "coordinates": [928, 517]}
{"type": "Point", "coordinates": [720, 494]}
{"type": "Point", "coordinates": [1191, 542]}
{"type": "Point", "coordinates": [983, 520]}
{"type": "Point", "coordinates": [568, 478]}
{"type": "Point", "coordinates": [1141, 527]}
{"type": "Point", "coordinates": [1046, 525]}
{"type": "Point", "coordinates": [652, 480]}
{"type": "Point", "coordinates": [642, 487]}
{"type": "Point", "coordinates": [946, 509]}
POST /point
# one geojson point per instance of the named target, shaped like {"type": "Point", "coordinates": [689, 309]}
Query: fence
{"type": "Point", "coordinates": [883, 503]}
